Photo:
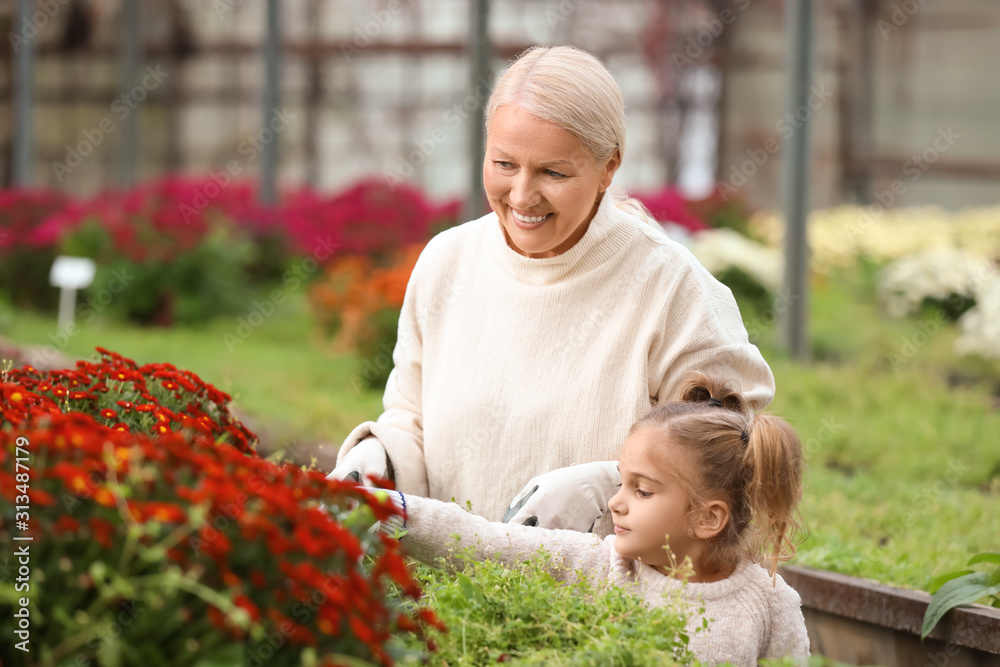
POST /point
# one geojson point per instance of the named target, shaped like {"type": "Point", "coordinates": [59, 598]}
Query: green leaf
{"type": "Point", "coordinates": [985, 558]}
{"type": "Point", "coordinates": [962, 590]}
{"type": "Point", "coordinates": [937, 582]}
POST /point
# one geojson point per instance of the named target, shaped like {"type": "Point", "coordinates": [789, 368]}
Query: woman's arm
{"type": "Point", "coordinates": [436, 529]}
{"type": "Point", "coordinates": [400, 427]}
{"type": "Point", "coordinates": [700, 328]}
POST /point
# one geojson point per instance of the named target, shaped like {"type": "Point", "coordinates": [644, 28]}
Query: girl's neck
{"type": "Point", "coordinates": [698, 569]}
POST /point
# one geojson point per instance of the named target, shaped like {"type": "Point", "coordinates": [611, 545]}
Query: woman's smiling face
{"type": "Point", "coordinates": [541, 182]}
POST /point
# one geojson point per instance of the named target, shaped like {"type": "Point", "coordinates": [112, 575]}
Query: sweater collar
{"type": "Point", "coordinates": [607, 234]}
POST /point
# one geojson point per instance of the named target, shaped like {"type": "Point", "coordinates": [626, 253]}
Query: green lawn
{"type": "Point", "coordinates": [903, 477]}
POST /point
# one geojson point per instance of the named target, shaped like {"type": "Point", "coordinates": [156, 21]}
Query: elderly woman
{"type": "Point", "coordinates": [531, 338]}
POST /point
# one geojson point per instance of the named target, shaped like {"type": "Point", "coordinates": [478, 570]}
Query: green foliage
{"type": "Point", "coordinates": [375, 351]}
{"type": "Point", "coordinates": [523, 616]}
{"type": "Point", "coordinates": [24, 279]}
{"type": "Point", "coordinates": [957, 588]}
{"type": "Point", "coordinates": [749, 292]}
{"type": "Point", "coordinates": [190, 287]}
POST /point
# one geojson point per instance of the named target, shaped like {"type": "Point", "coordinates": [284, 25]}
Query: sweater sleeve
{"type": "Point", "coordinates": [400, 427]}
{"type": "Point", "coordinates": [700, 328]}
{"type": "Point", "coordinates": [436, 529]}
{"type": "Point", "coordinates": [788, 637]}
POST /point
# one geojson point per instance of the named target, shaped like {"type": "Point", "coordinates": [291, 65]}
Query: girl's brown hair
{"type": "Point", "coordinates": [752, 463]}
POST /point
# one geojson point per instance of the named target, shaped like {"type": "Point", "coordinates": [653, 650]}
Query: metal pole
{"type": "Point", "coordinates": [272, 97]}
{"type": "Point", "coordinates": [799, 28]}
{"type": "Point", "coordinates": [25, 51]}
{"type": "Point", "coordinates": [479, 59]}
{"type": "Point", "coordinates": [129, 57]}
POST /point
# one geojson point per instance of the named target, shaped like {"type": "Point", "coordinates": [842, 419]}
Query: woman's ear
{"type": "Point", "coordinates": [609, 169]}
{"type": "Point", "coordinates": [712, 520]}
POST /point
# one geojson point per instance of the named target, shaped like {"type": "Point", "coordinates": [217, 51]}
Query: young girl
{"type": "Point", "coordinates": [702, 483]}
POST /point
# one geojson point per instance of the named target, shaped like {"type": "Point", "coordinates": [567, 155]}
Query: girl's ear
{"type": "Point", "coordinates": [712, 520]}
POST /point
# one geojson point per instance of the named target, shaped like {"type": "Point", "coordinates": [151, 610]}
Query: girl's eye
{"type": "Point", "coordinates": [644, 494]}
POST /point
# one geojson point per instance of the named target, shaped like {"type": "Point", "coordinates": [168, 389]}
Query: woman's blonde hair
{"type": "Point", "coordinates": [571, 88]}
{"type": "Point", "coordinates": [754, 464]}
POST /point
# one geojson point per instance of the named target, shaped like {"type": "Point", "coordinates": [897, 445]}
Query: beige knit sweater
{"type": "Point", "coordinates": [507, 367]}
{"type": "Point", "coordinates": [749, 618]}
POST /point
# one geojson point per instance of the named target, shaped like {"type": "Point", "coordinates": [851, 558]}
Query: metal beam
{"type": "Point", "coordinates": [23, 134]}
{"type": "Point", "coordinates": [128, 78]}
{"type": "Point", "coordinates": [479, 70]}
{"type": "Point", "coordinates": [799, 29]}
{"type": "Point", "coordinates": [272, 98]}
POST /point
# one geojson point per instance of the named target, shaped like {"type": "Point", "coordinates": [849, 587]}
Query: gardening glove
{"type": "Point", "coordinates": [573, 498]}
{"type": "Point", "coordinates": [365, 460]}
{"type": "Point", "coordinates": [394, 524]}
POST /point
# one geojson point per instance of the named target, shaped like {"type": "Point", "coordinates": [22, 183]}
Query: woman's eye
{"type": "Point", "coordinates": [554, 174]}
{"type": "Point", "coordinates": [503, 164]}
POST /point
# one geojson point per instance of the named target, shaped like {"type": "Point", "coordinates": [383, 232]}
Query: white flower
{"type": "Point", "coordinates": [839, 236]}
{"type": "Point", "coordinates": [980, 326]}
{"type": "Point", "coordinates": [932, 274]}
{"type": "Point", "coordinates": [721, 249]}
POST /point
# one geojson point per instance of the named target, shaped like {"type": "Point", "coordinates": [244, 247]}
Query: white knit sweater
{"type": "Point", "coordinates": [750, 618]}
{"type": "Point", "coordinates": [507, 367]}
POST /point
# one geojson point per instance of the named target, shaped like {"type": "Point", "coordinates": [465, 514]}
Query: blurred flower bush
{"type": "Point", "coordinates": [669, 206]}
{"type": "Point", "coordinates": [980, 326]}
{"type": "Point", "coordinates": [187, 249]}
{"type": "Point", "coordinates": [944, 278]}
{"type": "Point", "coordinates": [209, 552]}
{"type": "Point", "coordinates": [24, 261]}
{"type": "Point", "coordinates": [841, 237]}
{"type": "Point", "coordinates": [752, 271]}
{"type": "Point", "coordinates": [357, 302]}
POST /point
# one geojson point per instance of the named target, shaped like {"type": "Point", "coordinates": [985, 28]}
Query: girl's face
{"type": "Point", "coordinates": [541, 182]}
{"type": "Point", "coordinates": [650, 510]}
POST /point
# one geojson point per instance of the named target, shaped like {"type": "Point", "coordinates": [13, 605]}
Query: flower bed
{"type": "Point", "coordinates": [185, 249]}
{"type": "Point", "coordinates": [207, 550]}
{"type": "Point", "coordinates": [840, 237]}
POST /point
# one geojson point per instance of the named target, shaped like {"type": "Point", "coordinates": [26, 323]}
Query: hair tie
{"type": "Point", "coordinates": [745, 434]}
{"type": "Point", "coordinates": [714, 402]}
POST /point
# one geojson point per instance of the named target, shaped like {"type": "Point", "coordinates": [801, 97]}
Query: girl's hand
{"type": "Point", "coordinates": [573, 498]}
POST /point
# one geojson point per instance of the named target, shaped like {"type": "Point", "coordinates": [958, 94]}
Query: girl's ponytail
{"type": "Point", "coordinates": [773, 463]}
